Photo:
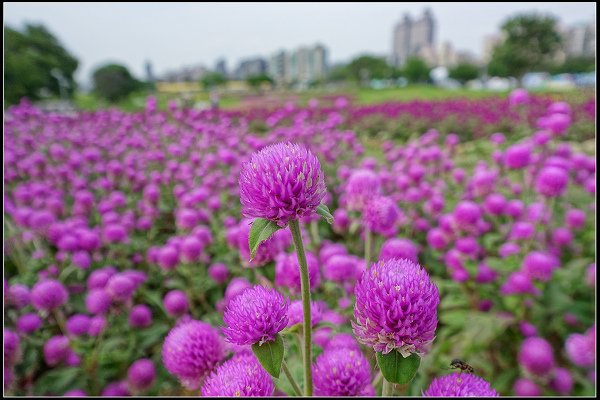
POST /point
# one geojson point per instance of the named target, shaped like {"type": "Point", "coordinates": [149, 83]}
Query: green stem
{"type": "Point", "coordinates": [287, 373]}
{"type": "Point", "coordinates": [368, 246]}
{"type": "Point", "coordinates": [305, 287]}
{"type": "Point", "coordinates": [388, 388]}
{"type": "Point", "coordinates": [377, 379]}
{"type": "Point", "coordinates": [314, 233]}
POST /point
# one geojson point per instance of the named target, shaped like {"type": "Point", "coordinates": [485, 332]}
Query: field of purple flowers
{"type": "Point", "coordinates": [441, 248]}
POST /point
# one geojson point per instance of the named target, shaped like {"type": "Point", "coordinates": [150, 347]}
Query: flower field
{"type": "Point", "coordinates": [332, 249]}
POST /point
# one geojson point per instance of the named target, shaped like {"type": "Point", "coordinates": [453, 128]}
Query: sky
{"type": "Point", "coordinates": [174, 35]}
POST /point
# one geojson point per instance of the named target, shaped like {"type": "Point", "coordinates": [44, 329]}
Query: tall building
{"type": "Point", "coordinates": [303, 65]}
{"type": "Point", "coordinates": [414, 38]}
{"type": "Point", "coordinates": [221, 67]}
{"type": "Point", "coordinates": [251, 67]}
{"type": "Point", "coordinates": [580, 40]}
{"type": "Point", "coordinates": [149, 72]}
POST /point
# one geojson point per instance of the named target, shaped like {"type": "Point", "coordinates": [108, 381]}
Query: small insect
{"type": "Point", "coordinates": [463, 366]}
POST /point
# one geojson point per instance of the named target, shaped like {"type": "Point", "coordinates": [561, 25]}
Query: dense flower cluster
{"type": "Point", "coordinates": [241, 376]}
{"type": "Point", "coordinates": [460, 385]}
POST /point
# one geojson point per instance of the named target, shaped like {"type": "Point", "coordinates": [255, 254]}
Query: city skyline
{"type": "Point", "coordinates": [201, 34]}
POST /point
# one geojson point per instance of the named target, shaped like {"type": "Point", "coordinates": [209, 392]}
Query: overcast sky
{"type": "Point", "coordinates": [173, 35]}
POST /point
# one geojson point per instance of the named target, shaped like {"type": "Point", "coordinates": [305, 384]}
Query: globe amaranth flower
{"type": "Point", "coordinates": [241, 376]}
{"type": "Point", "coordinates": [518, 156]}
{"type": "Point", "coordinates": [218, 272]}
{"type": "Point", "coordinates": [97, 301]}
{"type": "Point", "coordinates": [518, 97]}
{"type": "Point", "coordinates": [551, 181]}
{"type": "Point", "coordinates": [362, 185]}
{"type": "Point", "coordinates": [190, 351]}
{"type": "Point", "coordinates": [539, 265]}
{"type": "Point", "coordinates": [18, 295]}
{"type": "Point", "coordinates": [48, 295]}
{"type": "Point", "coordinates": [115, 389]}
{"type": "Point", "coordinates": [28, 323]}
{"type": "Point", "coordinates": [340, 267]}
{"type": "Point", "coordinates": [396, 307]}
{"type": "Point", "coordinates": [141, 374]}
{"type": "Point", "coordinates": [120, 287]}
{"type": "Point", "coordinates": [562, 381]}
{"type": "Point", "coordinates": [140, 316]}
{"type": "Point", "coordinates": [341, 372]}
{"type": "Point", "coordinates": [75, 393]}
{"type": "Point", "coordinates": [56, 350]}
{"type": "Point", "coordinates": [255, 316]}
{"type": "Point", "coordinates": [176, 303]}
{"type": "Point", "coordinates": [287, 271]}
{"type": "Point", "coordinates": [467, 213]}
{"type": "Point", "coordinates": [526, 387]}
{"type": "Point", "coordinates": [296, 313]}
{"type": "Point", "coordinates": [281, 182]}
{"type": "Point", "coordinates": [78, 324]}
{"type": "Point", "coordinates": [399, 248]}
{"type": "Point", "coordinates": [380, 214]}
{"type": "Point", "coordinates": [581, 348]}
{"type": "Point", "coordinates": [12, 348]}
{"type": "Point", "coordinates": [343, 340]}
{"type": "Point", "coordinates": [460, 384]}
{"type": "Point", "coordinates": [535, 355]}
{"type": "Point", "coordinates": [519, 282]}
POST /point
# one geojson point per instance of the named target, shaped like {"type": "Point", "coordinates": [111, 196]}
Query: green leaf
{"type": "Point", "coordinates": [270, 355]}
{"type": "Point", "coordinates": [261, 230]}
{"type": "Point", "coordinates": [396, 368]}
{"type": "Point", "coordinates": [323, 211]}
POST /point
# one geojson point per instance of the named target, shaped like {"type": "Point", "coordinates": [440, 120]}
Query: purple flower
{"type": "Point", "coordinates": [396, 307]}
{"type": "Point", "coordinates": [518, 97]}
{"type": "Point", "coordinates": [97, 301]}
{"type": "Point", "coordinates": [467, 213]}
{"type": "Point", "coordinates": [342, 340]}
{"type": "Point", "coordinates": [341, 372]}
{"type": "Point", "coordinates": [362, 185]}
{"type": "Point", "coordinates": [75, 393]}
{"type": "Point", "coordinates": [120, 287]}
{"type": "Point", "coordinates": [141, 374]}
{"type": "Point", "coordinates": [78, 324]}
{"type": "Point", "coordinates": [255, 316]}
{"type": "Point", "coordinates": [115, 389]}
{"type": "Point", "coordinates": [526, 387]}
{"type": "Point", "coordinates": [460, 384]}
{"type": "Point", "coordinates": [575, 218]}
{"type": "Point", "coordinates": [436, 239]}
{"type": "Point", "coordinates": [551, 181]}
{"type": "Point", "coordinates": [380, 214]}
{"type": "Point", "coordinates": [562, 381]}
{"type": "Point", "coordinates": [535, 355]}
{"type": "Point", "coordinates": [167, 257]}
{"type": "Point", "coordinates": [190, 351]}
{"type": "Point", "coordinates": [18, 295]}
{"type": "Point", "coordinates": [340, 268]}
{"type": "Point", "coordinates": [48, 295]}
{"type": "Point", "coordinates": [539, 265]}
{"type": "Point", "coordinates": [581, 349]}
{"type": "Point", "coordinates": [518, 156]}
{"type": "Point", "coordinates": [296, 316]}
{"type": "Point", "coordinates": [218, 272]}
{"type": "Point", "coordinates": [287, 271]}
{"type": "Point", "coordinates": [242, 376]}
{"type": "Point", "coordinates": [518, 282]}
{"type": "Point", "coordinates": [12, 348]}
{"type": "Point", "coordinates": [527, 329]}
{"type": "Point", "coordinates": [399, 248]}
{"type": "Point", "coordinates": [28, 323]}
{"type": "Point", "coordinates": [56, 350]}
{"type": "Point", "coordinates": [140, 316]}
{"type": "Point", "coordinates": [508, 249]}
{"type": "Point", "coordinates": [282, 182]}
{"type": "Point", "coordinates": [97, 325]}
{"type": "Point", "coordinates": [176, 303]}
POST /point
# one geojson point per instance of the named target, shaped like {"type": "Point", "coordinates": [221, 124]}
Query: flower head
{"type": "Point", "coordinates": [535, 355]}
{"type": "Point", "coordinates": [240, 376]}
{"type": "Point", "coordinates": [362, 185]}
{"type": "Point", "coordinates": [287, 271]}
{"type": "Point", "coordinates": [380, 214]}
{"type": "Point", "coordinates": [255, 316]}
{"type": "Point", "coordinates": [191, 350]}
{"type": "Point", "coordinates": [341, 372]}
{"type": "Point", "coordinates": [396, 307]}
{"type": "Point", "coordinates": [281, 182]}
{"type": "Point", "coordinates": [48, 295]}
{"type": "Point", "coordinates": [551, 181]}
{"type": "Point", "coordinates": [141, 374]}
{"type": "Point", "coordinates": [460, 384]}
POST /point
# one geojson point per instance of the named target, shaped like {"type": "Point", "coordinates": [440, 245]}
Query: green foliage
{"type": "Point", "coordinates": [339, 73]}
{"type": "Point", "coordinates": [464, 72]}
{"type": "Point", "coordinates": [262, 229]}
{"type": "Point", "coordinates": [574, 65]}
{"type": "Point", "coordinates": [416, 70]}
{"type": "Point", "coordinates": [212, 80]}
{"type": "Point", "coordinates": [270, 355]}
{"type": "Point", "coordinates": [256, 81]}
{"type": "Point", "coordinates": [367, 68]}
{"type": "Point", "coordinates": [396, 368]}
{"type": "Point", "coordinates": [531, 41]}
{"type": "Point", "coordinates": [29, 58]}
{"type": "Point", "coordinates": [114, 82]}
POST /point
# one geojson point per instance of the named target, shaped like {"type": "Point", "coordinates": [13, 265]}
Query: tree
{"type": "Point", "coordinates": [416, 70]}
{"type": "Point", "coordinates": [464, 72]}
{"type": "Point", "coordinates": [530, 43]}
{"type": "Point", "coordinates": [367, 68]}
{"type": "Point", "coordinates": [212, 80]}
{"type": "Point", "coordinates": [114, 82]}
{"type": "Point", "coordinates": [577, 64]}
{"type": "Point", "coordinates": [256, 81]}
{"type": "Point", "coordinates": [34, 61]}
{"type": "Point", "coordinates": [338, 73]}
